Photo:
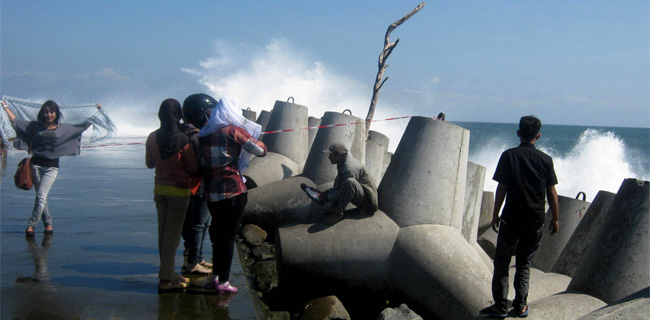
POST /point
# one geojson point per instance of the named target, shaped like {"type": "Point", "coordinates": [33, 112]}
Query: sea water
{"type": "Point", "coordinates": [102, 261]}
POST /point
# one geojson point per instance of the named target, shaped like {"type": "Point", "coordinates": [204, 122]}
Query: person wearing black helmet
{"type": "Point", "coordinates": [196, 112]}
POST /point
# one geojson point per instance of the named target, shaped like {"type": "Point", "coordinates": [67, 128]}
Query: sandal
{"type": "Point", "coordinates": [171, 285]}
{"type": "Point", "coordinates": [523, 312]}
{"type": "Point", "coordinates": [492, 311]}
{"type": "Point", "coordinates": [29, 233]}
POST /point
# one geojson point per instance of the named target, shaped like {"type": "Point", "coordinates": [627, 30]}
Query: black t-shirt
{"type": "Point", "coordinates": [527, 172]}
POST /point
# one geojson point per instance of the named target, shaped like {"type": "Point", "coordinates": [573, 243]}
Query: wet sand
{"type": "Point", "coordinates": [102, 261]}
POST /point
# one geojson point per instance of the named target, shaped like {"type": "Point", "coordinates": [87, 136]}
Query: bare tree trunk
{"type": "Point", "coordinates": [388, 49]}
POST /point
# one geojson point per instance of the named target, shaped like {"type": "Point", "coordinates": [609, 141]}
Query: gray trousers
{"type": "Point", "coordinates": [171, 215]}
{"type": "Point", "coordinates": [44, 178]}
{"type": "Point", "coordinates": [350, 192]}
{"type": "Point", "coordinates": [523, 241]}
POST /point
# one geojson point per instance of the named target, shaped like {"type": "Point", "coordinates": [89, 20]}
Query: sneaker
{"type": "Point", "coordinates": [493, 311]}
{"type": "Point", "coordinates": [197, 269]}
{"type": "Point", "coordinates": [333, 218]}
{"type": "Point", "coordinates": [225, 288]}
{"type": "Point", "coordinates": [206, 264]}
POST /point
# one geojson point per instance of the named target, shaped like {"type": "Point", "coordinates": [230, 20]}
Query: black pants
{"type": "Point", "coordinates": [226, 219]}
{"type": "Point", "coordinates": [525, 240]}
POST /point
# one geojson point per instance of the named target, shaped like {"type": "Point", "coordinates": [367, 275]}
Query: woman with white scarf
{"type": "Point", "coordinates": [227, 141]}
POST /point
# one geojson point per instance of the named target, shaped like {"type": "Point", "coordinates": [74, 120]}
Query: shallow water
{"type": "Point", "coordinates": [102, 261]}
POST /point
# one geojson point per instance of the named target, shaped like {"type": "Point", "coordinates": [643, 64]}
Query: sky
{"type": "Point", "coordinates": [568, 62]}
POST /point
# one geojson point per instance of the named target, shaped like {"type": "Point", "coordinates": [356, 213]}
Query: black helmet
{"type": "Point", "coordinates": [197, 108]}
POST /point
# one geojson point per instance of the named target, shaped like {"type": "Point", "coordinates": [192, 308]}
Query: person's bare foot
{"type": "Point", "coordinates": [29, 232]}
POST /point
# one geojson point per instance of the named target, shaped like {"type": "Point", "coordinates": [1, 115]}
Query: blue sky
{"type": "Point", "coordinates": [569, 62]}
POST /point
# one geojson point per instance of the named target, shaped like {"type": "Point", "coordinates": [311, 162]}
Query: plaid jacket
{"type": "Point", "coordinates": [220, 156]}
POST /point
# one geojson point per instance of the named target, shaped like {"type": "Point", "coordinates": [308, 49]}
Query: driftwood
{"type": "Point", "coordinates": [388, 49]}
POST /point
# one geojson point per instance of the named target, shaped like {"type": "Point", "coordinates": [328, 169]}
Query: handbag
{"type": "Point", "coordinates": [23, 176]}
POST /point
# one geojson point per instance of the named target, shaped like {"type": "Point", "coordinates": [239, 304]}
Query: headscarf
{"type": "Point", "coordinates": [170, 139]}
{"type": "Point", "coordinates": [228, 113]}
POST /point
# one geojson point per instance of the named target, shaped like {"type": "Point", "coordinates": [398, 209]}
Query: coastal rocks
{"type": "Point", "coordinates": [326, 308]}
{"type": "Point", "coordinates": [400, 313]}
{"type": "Point", "coordinates": [257, 256]}
{"type": "Point", "coordinates": [253, 234]}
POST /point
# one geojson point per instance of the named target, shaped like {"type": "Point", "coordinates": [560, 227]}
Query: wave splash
{"type": "Point", "coordinates": [598, 161]}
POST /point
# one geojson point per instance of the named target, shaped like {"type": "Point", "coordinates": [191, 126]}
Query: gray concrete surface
{"type": "Point", "coordinates": [583, 236]}
{"type": "Point", "coordinates": [487, 206]}
{"type": "Point", "coordinates": [571, 211]}
{"type": "Point", "coordinates": [311, 135]}
{"type": "Point", "coordinates": [633, 307]}
{"type": "Point", "coordinates": [565, 305]}
{"type": "Point", "coordinates": [249, 114]}
{"type": "Point", "coordinates": [270, 168]}
{"type": "Point", "coordinates": [279, 203]}
{"type": "Point", "coordinates": [318, 167]}
{"type": "Point", "coordinates": [292, 144]}
{"type": "Point", "coordinates": [425, 181]}
{"type": "Point", "coordinates": [376, 148]}
{"type": "Point", "coordinates": [435, 268]}
{"type": "Point", "coordinates": [473, 196]}
{"type": "Point", "coordinates": [616, 264]}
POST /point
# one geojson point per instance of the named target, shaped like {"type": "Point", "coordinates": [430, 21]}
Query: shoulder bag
{"type": "Point", "coordinates": [23, 176]}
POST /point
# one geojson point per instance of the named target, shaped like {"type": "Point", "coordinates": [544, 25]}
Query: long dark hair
{"type": "Point", "coordinates": [54, 107]}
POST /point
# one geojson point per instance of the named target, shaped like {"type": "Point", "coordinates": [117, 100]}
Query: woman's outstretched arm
{"type": "Point", "coordinates": [11, 115]}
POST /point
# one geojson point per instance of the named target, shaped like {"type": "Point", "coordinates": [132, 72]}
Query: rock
{"type": "Point", "coordinates": [401, 313]}
{"type": "Point", "coordinates": [326, 308]}
{"type": "Point", "coordinates": [278, 315]}
{"type": "Point", "coordinates": [266, 275]}
{"type": "Point", "coordinates": [253, 234]}
{"type": "Point", "coordinates": [265, 251]}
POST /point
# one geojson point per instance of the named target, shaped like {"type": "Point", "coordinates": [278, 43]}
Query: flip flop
{"type": "Point", "coordinates": [522, 314]}
{"type": "Point", "coordinates": [311, 193]}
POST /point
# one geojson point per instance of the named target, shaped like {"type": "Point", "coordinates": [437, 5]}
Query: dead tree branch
{"type": "Point", "coordinates": [388, 49]}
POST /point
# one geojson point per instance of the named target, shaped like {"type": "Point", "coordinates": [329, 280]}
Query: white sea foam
{"type": "Point", "coordinates": [596, 162]}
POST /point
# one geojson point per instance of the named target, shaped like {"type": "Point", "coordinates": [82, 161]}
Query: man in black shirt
{"type": "Point", "coordinates": [526, 176]}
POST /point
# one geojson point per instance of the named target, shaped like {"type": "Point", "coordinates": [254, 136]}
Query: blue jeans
{"type": "Point", "coordinates": [43, 178]}
{"type": "Point", "coordinates": [195, 228]}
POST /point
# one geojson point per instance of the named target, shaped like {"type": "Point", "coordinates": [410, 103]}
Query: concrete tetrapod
{"type": "Point", "coordinates": [550, 247]}
{"type": "Point", "coordinates": [292, 144]}
{"type": "Point", "coordinates": [279, 203]}
{"type": "Point", "coordinates": [376, 147]}
{"type": "Point", "coordinates": [271, 168]}
{"type": "Point", "coordinates": [318, 167]}
{"type": "Point", "coordinates": [487, 206]}
{"type": "Point", "coordinates": [565, 305]}
{"type": "Point", "coordinates": [429, 169]}
{"type": "Point", "coordinates": [249, 114]}
{"type": "Point", "coordinates": [387, 157]}
{"type": "Point", "coordinates": [263, 119]}
{"type": "Point", "coordinates": [616, 264]}
{"type": "Point", "coordinates": [354, 251]}
{"type": "Point", "coordinates": [311, 135]}
{"type": "Point", "coordinates": [473, 196]}
{"type": "Point", "coordinates": [583, 236]}
{"type": "Point", "coordinates": [633, 307]}
{"type": "Point", "coordinates": [434, 267]}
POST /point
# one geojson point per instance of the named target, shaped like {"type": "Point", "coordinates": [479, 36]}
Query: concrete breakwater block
{"type": "Point", "coordinates": [355, 250]}
{"type": "Point", "coordinates": [270, 168]}
{"type": "Point", "coordinates": [583, 236]}
{"type": "Point", "coordinates": [565, 305]}
{"type": "Point", "coordinates": [263, 119]}
{"type": "Point", "coordinates": [616, 264]}
{"type": "Point", "coordinates": [487, 206]}
{"type": "Point", "coordinates": [541, 284]}
{"type": "Point", "coordinates": [376, 148]}
{"type": "Point", "coordinates": [571, 211]}
{"type": "Point", "coordinates": [292, 144]}
{"type": "Point", "coordinates": [633, 307]}
{"type": "Point", "coordinates": [425, 181]}
{"type": "Point", "coordinates": [473, 196]}
{"type": "Point", "coordinates": [318, 167]}
{"type": "Point", "coordinates": [435, 268]}
{"type": "Point", "coordinates": [311, 135]}
{"type": "Point", "coordinates": [249, 114]}
{"type": "Point", "coordinates": [279, 203]}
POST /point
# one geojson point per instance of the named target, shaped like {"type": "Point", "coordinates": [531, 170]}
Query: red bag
{"type": "Point", "coordinates": [23, 176]}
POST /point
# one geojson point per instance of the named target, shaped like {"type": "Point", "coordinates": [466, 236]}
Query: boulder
{"type": "Point", "coordinates": [326, 308]}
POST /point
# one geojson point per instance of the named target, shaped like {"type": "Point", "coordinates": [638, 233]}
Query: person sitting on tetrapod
{"type": "Point", "coordinates": [352, 185]}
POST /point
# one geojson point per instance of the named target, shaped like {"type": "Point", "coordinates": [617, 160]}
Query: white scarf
{"type": "Point", "coordinates": [228, 113]}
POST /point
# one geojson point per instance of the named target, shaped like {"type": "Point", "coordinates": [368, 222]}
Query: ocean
{"type": "Point", "coordinates": [102, 261]}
